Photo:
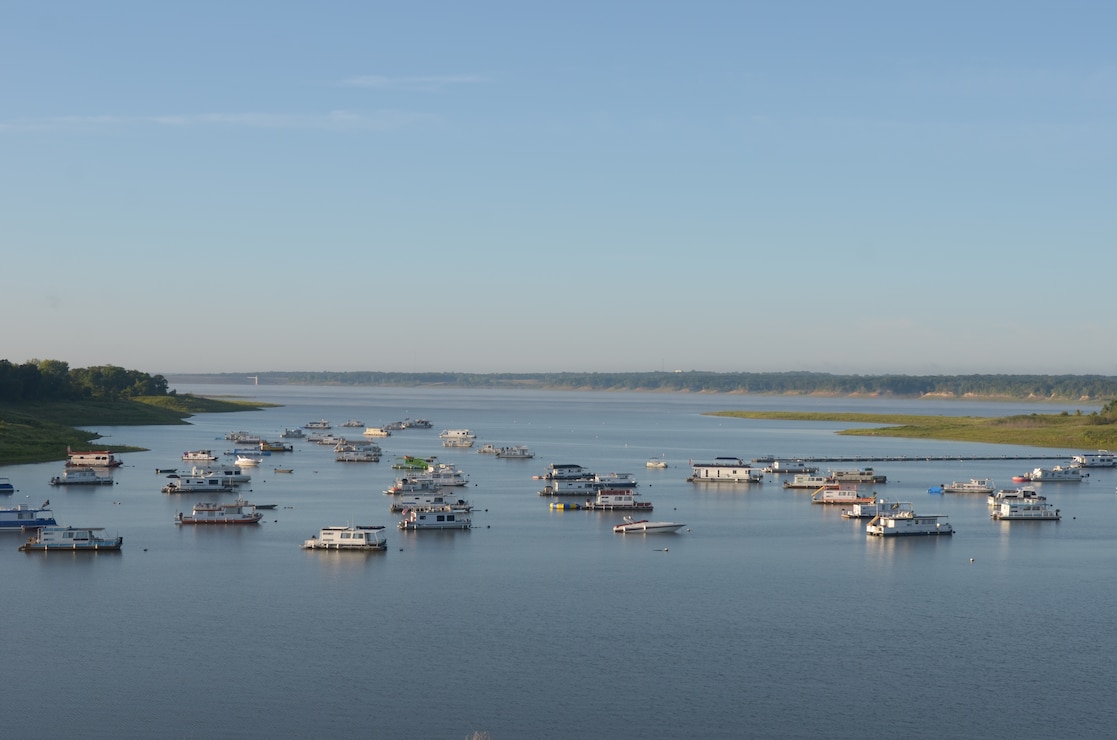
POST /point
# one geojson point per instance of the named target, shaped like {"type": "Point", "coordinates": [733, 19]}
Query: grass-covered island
{"type": "Point", "coordinates": [43, 406]}
{"type": "Point", "coordinates": [1093, 431]}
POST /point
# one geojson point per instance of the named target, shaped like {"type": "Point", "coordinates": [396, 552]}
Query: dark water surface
{"type": "Point", "coordinates": [768, 617]}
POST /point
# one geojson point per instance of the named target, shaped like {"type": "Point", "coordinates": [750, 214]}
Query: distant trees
{"type": "Point", "coordinates": [54, 380]}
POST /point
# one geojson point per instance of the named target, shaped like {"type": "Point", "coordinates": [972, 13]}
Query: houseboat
{"type": "Point", "coordinates": [1030, 511]}
{"type": "Point", "coordinates": [348, 538]}
{"type": "Point", "coordinates": [905, 522]}
{"type": "Point", "coordinates": [197, 484]}
{"type": "Point", "coordinates": [295, 433]}
{"type": "Point", "coordinates": [376, 432]}
{"type": "Point", "coordinates": [412, 485]}
{"type": "Point", "coordinates": [266, 446]}
{"type": "Point", "coordinates": [656, 463]}
{"type": "Point", "coordinates": [228, 473]}
{"type": "Point", "coordinates": [81, 477]}
{"type": "Point", "coordinates": [24, 516]}
{"type": "Point", "coordinates": [355, 454]}
{"type": "Point", "coordinates": [354, 423]}
{"type": "Point", "coordinates": [1099, 459]}
{"type": "Point", "coordinates": [92, 459]}
{"type": "Point", "coordinates": [564, 471]}
{"type": "Point", "coordinates": [790, 467]}
{"type": "Point", "coordinates": [1057, 474]}
{"type": "Point", "coordinates": [421, 500]}
{"type": "Point", "coordinates": [516, 452]}
{"type": "Point", "coordinates": [245, 438]}
{"type": "Point", "coordinates": [725, 470]}
{"type": "Point", "coordinates": [807, 481]}
{"type": "Point", "coordinates": [984, 486]}
{"type": "Point", "coordinates": [842, 495]}
{"type": "Point", "coordinates": [6, 487]}
{"type": "Point", "coordinates": [417, 424]}
{"type": "Point", "coordinates": [457, 438]}
{"type": "Point", "coordinates": [861, 475]}
{"type": "Point", "coordinates": [876, 508]}
{"type": "Point", "coordinates": [199, 456]}
{"type": "Point", "coordinates": [488, 449]}
{"type": "Point", "coordinates": [320, 424]}
{"type": "Point", "coordinates": [572, 487]}
{"type": "Point", "coordinates": [435, 517]}
{"type": "Point", "coordinates": [238, 512]}
{"type": "Point", "coordinates": [1022, 494]}
{"type": "Point", "coordinates": [617, 499]}
{"type": "Point", "coordinates": [73, 539]}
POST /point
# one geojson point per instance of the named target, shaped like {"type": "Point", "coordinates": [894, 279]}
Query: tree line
{"type": "Point", "coordinates": [1094, 388]}
{"type": "Point", "coordinates": [54, 380]}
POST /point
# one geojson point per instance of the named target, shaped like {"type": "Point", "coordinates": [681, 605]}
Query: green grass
{"type": "Point", "coordinates": [1073, 431]}
{"type": "Point", "coordinates": [40, 432]}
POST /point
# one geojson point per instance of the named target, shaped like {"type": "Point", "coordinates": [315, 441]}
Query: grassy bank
{"type": "Point", "coordinates": [40, 432]}
{"type": "Point", "coordinates": [1072, 431]}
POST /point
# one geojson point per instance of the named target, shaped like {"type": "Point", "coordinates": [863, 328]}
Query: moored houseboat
{"type": "Point", "coordinates": [1031, 511]}
{"type": "Point", "coordinates": [457, 438]}
{"type": "Point", "coordinates": [92, 459]}
{"type": "Point", "coordinates": [984, 486]}
{"type": "Point", "coordinates": [845, 494]}
{"type": "Point", "coordinates": [420, 500]}
{"type": "Point", "coordinates": [515, 452]}
{"type": "Point", "coordinates": [809, 482]}
{"type": "Point", "coordinates": [1057, 474]}
{"type": "Point", "coordinates": [71, 539]}
{"type": "Point", "coordinates": [725, 470]}
{"type": "Point", "coordinates": [238, 512]}
{"type": "Point", "coordinates": [348, 538]}
{"type": "Point", "coordinates": [81, 477]}
{"type": "Point", "coordinates": [617, 499]}
{"type": "Point", "coordinates": [1099, 459]}
{"type": "Point", "coordinates": [861, 475]}
{"type": "Point", "coordinates": [905, 522]}
{"type": "Point", "coordinates": [197, 484]}
{"type": "Point", "coordinates": [875, 508]}
{"type": "Point", "coordinates": [435, 517]}
{"type": "Point", "coordinates": [199, 456]}
{"type": "Point", "coordinates": [23, 516]}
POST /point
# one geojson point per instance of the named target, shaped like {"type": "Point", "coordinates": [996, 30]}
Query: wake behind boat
{"type": "Point", "coordinates": [643, 526]}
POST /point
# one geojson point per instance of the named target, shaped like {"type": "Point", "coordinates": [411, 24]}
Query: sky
{"type": "Point", "coordinates": [846, 187]}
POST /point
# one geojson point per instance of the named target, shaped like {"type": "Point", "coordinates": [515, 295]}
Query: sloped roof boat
{"type": "Point", "coordinates": [643, 526]}
{"type": "Point", "coordinates": [238, 512]}
{"type": "Point", "coordinates": [81, 477]}
{"type": "Point", "coordinates": [348, 538]}
{"type": "Point", "coordinates": [23, 516]}
{"type": "Point", "coordinates": [92, 459]}
{"type": "Point", "coordinates": [71, 539]}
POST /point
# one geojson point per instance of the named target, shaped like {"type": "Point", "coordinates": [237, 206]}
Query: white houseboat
{"type": "Point", "coordinates": [861, 475]}
{"type": "Point", "coordinates": [412, 485]}
{"type": "Point", "coordinates": [457, 438]}
{"type": "Point", "coordinates": [348, 538]}
{"type": "Point", "coordinates": [320, 424]}
{"type": "Point", "coordinates": [905, 522]}
{"type": "Point", "coordinates": [197, 484]}
{"type": "Point", "coordinates": [1099, 459]}
{"type": "Point", "coordinates": [725, 470]}
{"type": "Point", "coordinates": [376, 432]}
{"type": "Point", "coordinates": [876, 508]}
{"type": "Point", "coordinates": [1031, 511]}
{"type": "Point", "coordinates": [357, 454]}
{"type": "Point", "coordinates": [516, 452]}
{"type": "Point", "coordinates": [73, 539]}
{"type": "Point", "coordinates": [92, 459]}
{"type": "Point", "coordinates": [1057, 474]}
{"type": "Point", "coordinates": [23, 516]}
{"type": "Point", "coordinates": [1022, 494]}
{"type": "Point", "coordinates": [81, 477]}
{"type": "Point", "coordinates": [617, 499]}
{"type": "Point", "coordinates": [564, 471]}
{"type": "Point", "coordinates": [809, 482]}
{"type": "Point", "coordinates": [199, 456]}
{"type": "Point", "coordinates": [845, 494]}
{"type": "Point", "coordinates": [984, 486]}
{"type": "Point", "coordinates": [295, 433]}
{"type": "Point", "coordinates": [238, 512]}
{"type": "Point", "coordinates": [422, 500]}
{"type": "Point", "coordinates": [790, 467]}
{"type": "Point", "coordinates": [435, 517]}
{"type": "Point", "coordinates": [228, 473]}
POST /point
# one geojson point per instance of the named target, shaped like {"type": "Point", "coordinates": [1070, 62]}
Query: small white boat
{"type": "Point", "coordinates": [348, 538]}
{"type": "Point", "coordinates": [657, 463]}
{"type": "Point", "coordinates": [243, 461]}
{"type": "Point", "coordinates": [71, 539]}
{"type": "Point", "coordinates": [199, 455]}
{"type": "Point", "coordinates": [643, 526]}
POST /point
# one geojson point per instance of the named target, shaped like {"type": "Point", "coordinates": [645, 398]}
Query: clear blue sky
{"type": "Point", "coordinates": [870, 187]}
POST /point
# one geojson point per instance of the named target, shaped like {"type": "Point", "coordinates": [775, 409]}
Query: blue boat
{"type": "Point", "coordinates": [26, 517]}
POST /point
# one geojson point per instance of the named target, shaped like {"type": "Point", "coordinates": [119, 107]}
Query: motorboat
{"type": "Point", "coordinates": [643, 526]}
{"type": "Point", "coordinates": [199, 456]}
{"type": "Point", "coordinates": [984, 486]}
{"type": "Point", "coordinates": [73, 539]}
{"type": "Point", "coordinates": [353, 537]}
{"type": "Point", "coordinates": [244, 461]}
{"type": "Point", "coordinates": [238, 512]}
{"type": "Point", "coordinates": [81, 477]}
{"type": "Point", "coordinates": [435, 517]}
{"type": "Point", "coordinates": [903, 521]}
{"type": "Point", "coordinates": [23, 516]}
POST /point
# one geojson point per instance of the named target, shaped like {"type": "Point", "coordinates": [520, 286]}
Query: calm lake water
{"type": "Point", "coordinates": [767, 617]}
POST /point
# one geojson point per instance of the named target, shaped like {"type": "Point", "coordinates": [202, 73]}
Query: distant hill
{"type": "Point", "coordinates": [1085, 388]}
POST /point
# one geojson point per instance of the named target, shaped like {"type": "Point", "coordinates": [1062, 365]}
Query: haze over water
{"type": "Point", "coordinates": [767, 617]}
